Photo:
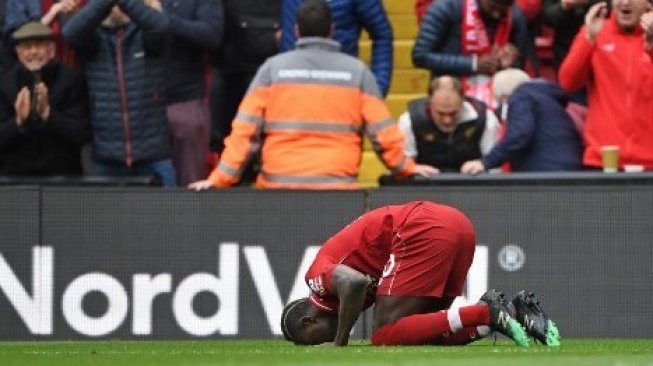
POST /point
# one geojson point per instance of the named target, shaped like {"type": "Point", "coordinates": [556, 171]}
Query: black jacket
{"type": "Point", "coordinates": [249, 34]}
{"type": "Point", "coordinates": [566, 24]}
{"type": "Point", "coordinates": [196, 27]}
{"type": "Point", "coordinates": [446, 151]}
{"type": "Point", "coordinates": [44, 148]}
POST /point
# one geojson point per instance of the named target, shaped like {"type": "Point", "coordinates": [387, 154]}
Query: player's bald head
{"type": "Point", "coordinates": [291, 320]}
{"type": "Point", "coordinates": [303, 324]}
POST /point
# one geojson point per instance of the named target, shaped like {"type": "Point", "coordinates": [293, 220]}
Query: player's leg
{"type": "Point", "coordinates": [415, 320]}
{"type": "Point", "coordinates": [430, 260]}
{"type": "Point", "coordinates": [389, 309]}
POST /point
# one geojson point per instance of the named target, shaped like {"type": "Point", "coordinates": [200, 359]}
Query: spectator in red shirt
{"type": "Point", "coordinates": [612, 55]}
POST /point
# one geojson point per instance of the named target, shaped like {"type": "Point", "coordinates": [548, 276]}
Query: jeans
{"type": "Point", "coordinates": [161, 169]}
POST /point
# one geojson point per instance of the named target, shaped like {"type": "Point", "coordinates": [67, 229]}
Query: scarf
{"type": "Point", "coordinates": [475, 41]}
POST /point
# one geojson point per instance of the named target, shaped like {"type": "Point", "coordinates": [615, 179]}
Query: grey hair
{"type": "Point", "coordinates": [506, 81]}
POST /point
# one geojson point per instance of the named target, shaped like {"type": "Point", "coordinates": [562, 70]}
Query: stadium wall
{"type": "Point", "coordinates": [145, 263]}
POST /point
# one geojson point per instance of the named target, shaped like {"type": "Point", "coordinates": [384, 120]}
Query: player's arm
{"type": "Point", "coordinates": [351, 287]}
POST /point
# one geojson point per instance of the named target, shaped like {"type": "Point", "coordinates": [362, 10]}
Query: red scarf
{"type": "Point", "coordinates": [475, 41]}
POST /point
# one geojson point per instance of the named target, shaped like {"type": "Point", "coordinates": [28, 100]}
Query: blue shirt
{"type": "Point", "coordinates": [350, 17]}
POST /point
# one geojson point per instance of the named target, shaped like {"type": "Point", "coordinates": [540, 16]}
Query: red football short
{"type": "Point", "coordinates": [430, 254]}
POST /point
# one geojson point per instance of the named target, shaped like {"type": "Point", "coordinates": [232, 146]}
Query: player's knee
{"type": "Point", "coordinates": [381, 336]}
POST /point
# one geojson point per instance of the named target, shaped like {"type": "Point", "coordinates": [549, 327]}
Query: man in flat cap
{"type": "Point", "coordinates": [44, 117]}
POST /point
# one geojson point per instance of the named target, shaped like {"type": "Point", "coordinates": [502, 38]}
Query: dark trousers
{"type": "Point", "coordinates": [227, 91]}
{"type": "Point", "coordinates": [189, 127]}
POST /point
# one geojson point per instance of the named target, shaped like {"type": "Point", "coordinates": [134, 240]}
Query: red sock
{"type": "Point", "coordinates": [474, 315]}
{"type": "Point", "coordinates": [432, 327]}
{"type": "Point", "coordinates": [465, 336]}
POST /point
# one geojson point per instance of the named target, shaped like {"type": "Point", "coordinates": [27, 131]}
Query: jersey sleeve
{"type": "Point", "coordinates": [318, 279]}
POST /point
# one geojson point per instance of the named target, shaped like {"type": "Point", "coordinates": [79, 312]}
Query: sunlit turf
{"type": "Point", "coordinates": [276, 352]}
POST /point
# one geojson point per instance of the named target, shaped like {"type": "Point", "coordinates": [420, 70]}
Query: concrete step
{"type": "Point", "coordinates": [401, 57]}
{"type": "Point", "coordinates": [397, 103]}
{"type": "Point", "coordinates": [409, 81]}
{"type": "Point", "coordinates": [404, 26]}
{"type": "Point", "coordinates": [370, 170]}
{"type": "Point", "coordinates": [399, 6]}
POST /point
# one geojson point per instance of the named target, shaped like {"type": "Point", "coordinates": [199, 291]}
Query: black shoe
{"type": "Point", "coordinates": [501, 319]}
{"type": "Point", "coordinates": [527, 311]}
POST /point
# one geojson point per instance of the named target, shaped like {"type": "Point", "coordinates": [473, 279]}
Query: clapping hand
{"type": "Point", "coordinates": [488, 64]}
{"type": "Point", "coordinates": [43, 101]}
{"type": "Point", "coordinates": [22, 106]}
{"type": "Point", "coordinates": [646, 22]}
{"type": "Point", "coordinates": [594, 20]}
{"type": "Point", "coordinates": [507, 55]}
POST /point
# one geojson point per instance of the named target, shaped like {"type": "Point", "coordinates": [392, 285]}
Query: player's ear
{"type": "Point", "coordinates": [306, 320]}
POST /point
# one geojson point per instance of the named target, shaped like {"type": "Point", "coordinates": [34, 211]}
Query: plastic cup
{"type": "Point", "coordinates": [610, 157]}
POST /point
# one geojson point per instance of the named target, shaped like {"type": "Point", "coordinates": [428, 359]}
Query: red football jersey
{"type": "Point", "coordinates": [364, 245]}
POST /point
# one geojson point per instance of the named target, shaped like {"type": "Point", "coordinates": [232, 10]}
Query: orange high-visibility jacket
{"type": "Point", "coordinates": [307, 110]}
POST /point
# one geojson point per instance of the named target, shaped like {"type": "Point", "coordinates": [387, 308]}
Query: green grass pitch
{"type": "Point", "coordinates": [276, 352]}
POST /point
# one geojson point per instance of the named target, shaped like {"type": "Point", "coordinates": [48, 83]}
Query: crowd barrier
{"type": "Point", "coordinates": [151, 263]}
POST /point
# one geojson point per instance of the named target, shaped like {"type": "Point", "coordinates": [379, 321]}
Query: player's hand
{"type": "Point", "coordinates": [594, 20]}
{"type": "Point", "coordinates": [201, 185]}
{"type": "Point", "coordinates": [488, 64]}
{"type": "Point", "coordinates": [472, 167]}
{"type": "Point", "coordinates": [426, 171]}
{"type": "Point", "coordinates": [22, 106]}
{"type": "Point", "coordinates": [646, 22]}
{"type": "Point", "coordinates": [507, 55]}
